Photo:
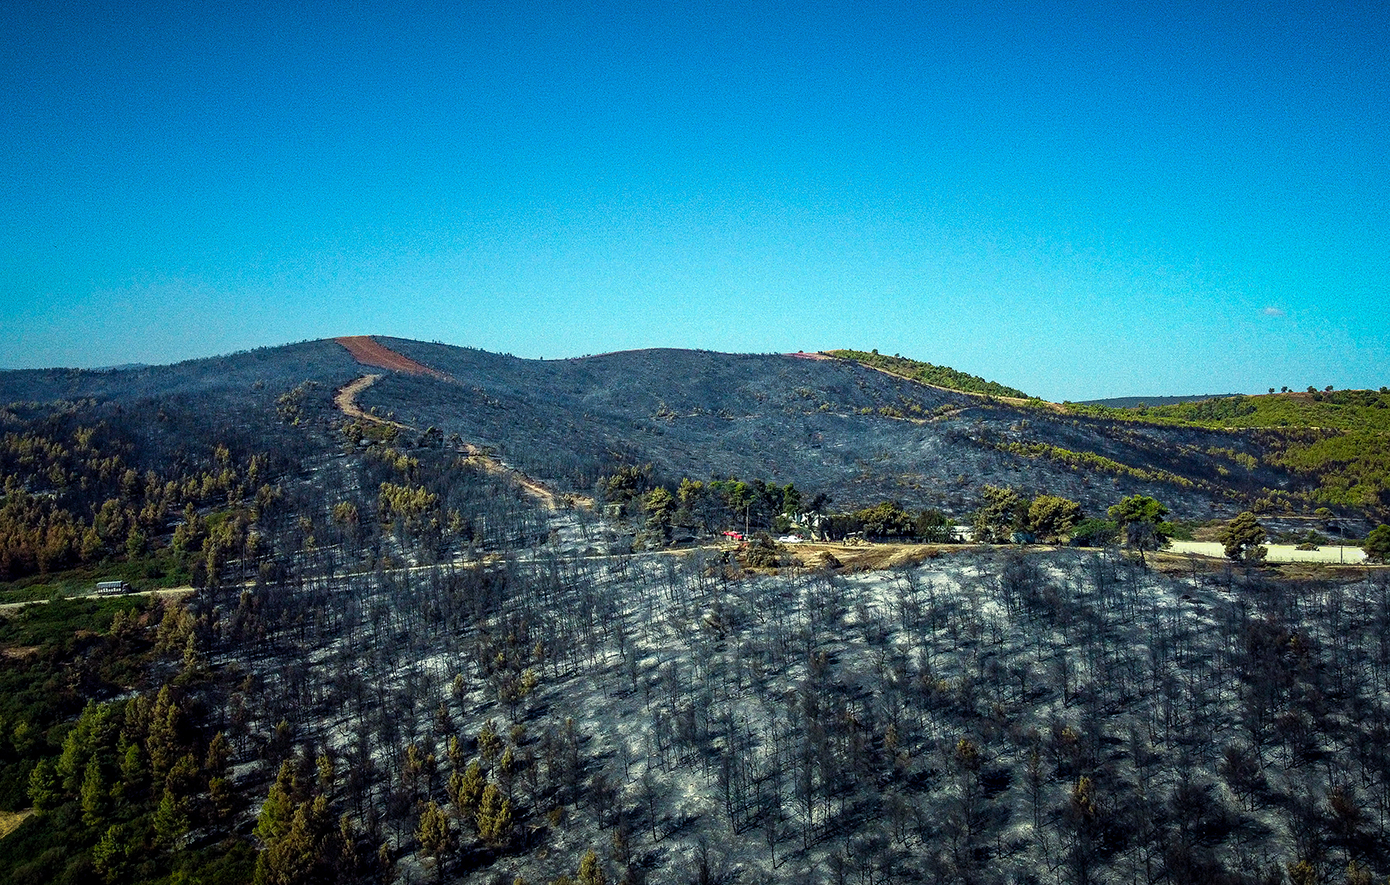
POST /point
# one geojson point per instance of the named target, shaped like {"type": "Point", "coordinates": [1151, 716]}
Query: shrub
{"type": "Point", "coordinates": [1377, 544]}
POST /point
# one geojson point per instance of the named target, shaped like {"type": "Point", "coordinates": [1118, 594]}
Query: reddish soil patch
{"type": "Point", "coordinates": [368, 352]}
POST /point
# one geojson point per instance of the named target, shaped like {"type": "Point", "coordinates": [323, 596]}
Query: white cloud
{"type": "Point", "coordinates": [1273, 312]}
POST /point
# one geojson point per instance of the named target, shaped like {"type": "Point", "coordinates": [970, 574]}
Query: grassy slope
{"type": "Point", "coordinates": [1347, 410]}
{"type": "Point", "coordinates": [927, 373]}
{"type": "Point", "coordinates": [1342, 438]}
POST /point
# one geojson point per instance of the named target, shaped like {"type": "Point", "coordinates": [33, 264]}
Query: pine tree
{"type": "Point", "coordinates": [111, 855]}
{"type": "Point", "coordinates": [591, 871]}
{"type": "Point", "coordinates": [489, 742]}
{"type": "Point", "coordinates": [278, 810]}
{"type": "Point", "coordinates": [436, 836]}
{"type": "Point", "coordinates": [494, 817]}
{"type": "Point", "coordinates": [465, 789]}
{"type": "Point", "coordinates": [162, 743]}
{"type": "Point", "coordinates": [328, 773]}
{"type": "Point", "coordinates": [222, 796]}
{"type": "Point", "coordinates": [133, 769]}
{"type": "Point", "coordinates": [1243, 539]}
{"type": "Point", "coordinates": [219, 753]}
{"type": "Point", "coordinates": [44, 789]}
{"type": "Point", "coordinates": [294, 856]}
{"type": "Point", "coordinates": [170, 821]}
{"type": "Point", "coordinates": [1140, 519]}
{"type": "Point", "coordinates": [94, 795]}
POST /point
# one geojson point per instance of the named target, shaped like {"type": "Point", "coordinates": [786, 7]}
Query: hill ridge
{"type": "Point", "coordinates": [818, 421]}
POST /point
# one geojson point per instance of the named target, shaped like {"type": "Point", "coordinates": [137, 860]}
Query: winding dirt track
{"type": "Point", "coordinates": [346, 401]}
{"type": "Point", "coordinates": [541, 492]}
{"type": "Point", "coordinates": [370, 353]}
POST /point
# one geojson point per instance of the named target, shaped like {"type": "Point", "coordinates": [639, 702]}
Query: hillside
{"type": "Point", "coordinates": [856, 434]}
{"type": "Point", "coordinates": [1340, 440]}
{"type": "Point", "coordinates": [1350, 410]}
{"type": "Point", "coordinates": [828, 426]}
{"type": "Point", "coordinates": [374, 633]}
{"type": "Point", "coordinates": [1319, 448]}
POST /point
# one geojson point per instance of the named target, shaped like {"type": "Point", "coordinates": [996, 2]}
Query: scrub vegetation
{"type": "Point", "coordinates": [937, 376]}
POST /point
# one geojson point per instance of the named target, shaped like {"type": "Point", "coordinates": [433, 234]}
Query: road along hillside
{"type": "Point", "coordinates": [370, 353]}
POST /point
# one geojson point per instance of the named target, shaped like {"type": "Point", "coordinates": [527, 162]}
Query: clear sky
{"type": "Point", "coordinates": [1080, 200]}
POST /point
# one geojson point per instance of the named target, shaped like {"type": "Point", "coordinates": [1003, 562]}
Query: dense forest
{"type": "Point", "coordinates": [367, 649]}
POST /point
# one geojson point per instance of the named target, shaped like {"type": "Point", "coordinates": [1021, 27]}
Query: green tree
{"type": "Point", "coordinates": [885, 520]}
{"type": "Point", "coordinates": [791, 500]}
{"type": "Point", "coordinates": [591, 870]}
{"type": "Point", "coordinates": [277, 812]}
{"type": "Point", "coordinates": [1243, 538]}
{"type": "Point", "coordinates": [95, 730]}
{"type": "Point", "coordinates": [170, 821]}
{"type": "Point", "coordinates": [660, 507]}
{"type": "Point", "coordinates": [489, 742]}
{"type": "Point", "coordinates": [1377, 544]}
{"type": "Point", "coordinates": [1094, 532]}
{"type": "Point", "coordinates": [45, 790]}
{"type": "Point", "coordinates": [135, 544]}
{"type": "Point", "coordinates": [465, 789]}
{"type": "Point", "coordinates": [111, 855]}
{"type": "Point", "coordinates": [1140, 520]}
{"type": "Point", "coordinates": [628, 484]}
{"type": "Point", "coordinates": [1003, 511]}
{"type": "Point", "coordinates": [296, 854]}
{"type": "Point", "coordinates": [222, 796]}
{"type": "Point", "coordinates": [133, 769]}
{"type": "Point", "coordinates": [436, 837]}
{"type": "Point", "coordinates": [934, 527]}
{"type": "Point", "coordinates": [738, 498]}
{"type": "Point", "coordinates": [494, 817]}
{"type": "Point", "coordinates": [219, 754]}
{"type": "Point", "coordinates": [94, 795]}
{"type": "Point", "coordinates": [1052, 518]}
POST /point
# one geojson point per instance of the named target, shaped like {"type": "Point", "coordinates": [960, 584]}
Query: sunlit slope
{"type": "Point", "coordinates": [928, 373]}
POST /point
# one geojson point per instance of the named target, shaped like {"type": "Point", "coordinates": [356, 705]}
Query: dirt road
{"type": "Point", "coordinates": [547, 496]}
{"type": "Point", "coordinates": [346, 402]}
{"type": "Point", "coordinates": [370, 353]}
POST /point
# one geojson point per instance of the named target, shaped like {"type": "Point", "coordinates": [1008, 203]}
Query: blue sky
{"type": "Point", "coordinates": [1078, 200]}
